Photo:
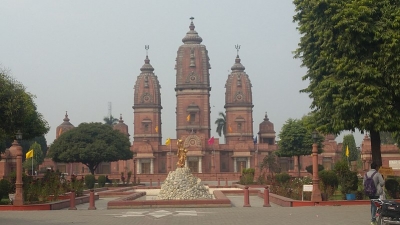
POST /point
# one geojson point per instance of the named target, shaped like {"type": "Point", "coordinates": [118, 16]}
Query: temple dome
{"type": "Point", "coordinates": [192, 37]}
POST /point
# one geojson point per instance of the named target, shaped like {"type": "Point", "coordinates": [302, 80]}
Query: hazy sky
{"type": "Point", "coordinates": [78, 56]}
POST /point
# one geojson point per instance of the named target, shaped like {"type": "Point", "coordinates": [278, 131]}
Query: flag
{"type": "Point", "coordinates": [29, 154]}
{"type": "Point", "coordinates": [347, 151]}
{"type": "Point", "coordinates": [188, 118]}
{"type": "Point", "coordinates": [156, 129]}
{"type": "Point", "coordinates": [211, 140]}
{"type": "Point", "coordinates": [59, 131]}
{"type": "Point", "coordinates": [255, 140]}
{"type": "Point", "coordinates": [230, 129]}
{"type": "Point", "coordinates": [168, 141]}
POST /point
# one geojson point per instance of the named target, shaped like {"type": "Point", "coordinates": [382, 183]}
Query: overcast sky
{"type": "Point", "coordinates": [78, 56]}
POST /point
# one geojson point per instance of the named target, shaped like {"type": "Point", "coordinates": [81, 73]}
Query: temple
{"type": "Point", "coordinates": [207, 158]}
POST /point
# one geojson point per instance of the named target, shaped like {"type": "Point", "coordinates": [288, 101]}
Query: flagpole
{"type": "Point", "coordinates": [32, 163]}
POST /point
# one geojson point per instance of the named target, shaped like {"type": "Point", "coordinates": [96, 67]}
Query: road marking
{"type": "Point", "coordinates": [157, 214]}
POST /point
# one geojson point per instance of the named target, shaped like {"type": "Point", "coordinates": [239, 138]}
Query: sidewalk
{"type": "Point", "coordinates": [237, 214]}
{"type": "Point", "coordinates": [337, 215]}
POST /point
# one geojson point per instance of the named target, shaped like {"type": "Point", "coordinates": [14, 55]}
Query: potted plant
{"type": "Point", "coordinates": [349, 184]}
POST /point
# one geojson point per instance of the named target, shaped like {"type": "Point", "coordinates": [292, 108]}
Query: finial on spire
{"type": "Point", "coordinates": [147, 49]}
{"type": "Point", "coordinates": [191, 23]}
{"type": "Point", "coordinates": [237, 49]}
{"type": "Point", "coordinates": [66, 116]}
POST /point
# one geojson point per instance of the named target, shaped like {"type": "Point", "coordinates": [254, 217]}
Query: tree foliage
{"type": "Point", "coordinates": [387, 138]}
{"type": "Point", "coordinates": [18, 112]}
{"type": "Point", "coordinates": [296, 139]}
{"type": "Point", "coordinates": [348, 140]}
{"type": "Point", "coordinates": [37, 159]}
{"type": "Point", "coordinates": [221, 124]}
{"type": "Point", "coordinates": [351, 50]}
{"type": "Point", "coordinates": [110, 120]}
{"type": "Point", "coordinates": [26, 145]}
{"type": "Point", "coordinates": [91, 144]}
{"type": "Point", "coordinates": [270, 163]}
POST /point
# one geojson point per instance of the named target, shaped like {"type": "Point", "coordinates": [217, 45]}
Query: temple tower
{"type": "Point", "coordinates": [238, 104]}
{"type": "Point", "coordinates": [147, 105]}
{"type": "Point", "coordinates": [266, 132]}
{"type": "Point", "coordinates": [65, 126]}
{"type": "Point", "coordinates": [193, 89]}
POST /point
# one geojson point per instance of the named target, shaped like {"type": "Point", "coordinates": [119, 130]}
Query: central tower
{"type": "Point", "coordinates": [192, 87]}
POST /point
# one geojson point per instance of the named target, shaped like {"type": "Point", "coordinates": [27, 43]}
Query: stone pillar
{"type": "Point", "coordinates": [234, 165]}
{"type": "Point", "coordinates": [266, 197]}
{"type": "Point", "coordinates": [151, 166]}
{"type": "Point", "coordinates": [134, 171]}
{"type": "Point", "coordinates": [19, 196]}
{"type": "Point", "coordinates": [72, 201]}
{"type": "Point", "coordinates": [169, 163]}
{"type": "Point", "coordinates": [91, 200]}
{"type": "Point", "coordinates": [200, 163]}
{"type": "Point", "coordinates": [316, 193]}
{"type": "Point", "coordinates": [212, 163]}
{"type": "Point", "coordinates": [248, 162]}
{"type": "Point", "coordinates": [139, 167]}
{"type": "Point", "coordinates": [246, 197]}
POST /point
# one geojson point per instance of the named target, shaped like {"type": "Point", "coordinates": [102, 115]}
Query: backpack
{"type": "Point", "coordinates": [369, 185]}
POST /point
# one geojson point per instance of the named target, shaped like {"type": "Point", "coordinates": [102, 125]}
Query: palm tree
{"type": "Point", "coordinates": [110, 120]}
{"type": "Point", "coordinates": [221, 124]}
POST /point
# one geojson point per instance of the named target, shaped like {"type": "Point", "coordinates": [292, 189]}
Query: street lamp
{"type": "Point", "coordinates": [316, 193]}
{"type": "Point", "coordinates": [19, 197]}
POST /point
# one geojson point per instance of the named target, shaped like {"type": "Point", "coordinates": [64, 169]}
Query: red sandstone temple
{"type": "Point", "coordinates": [153, 160]}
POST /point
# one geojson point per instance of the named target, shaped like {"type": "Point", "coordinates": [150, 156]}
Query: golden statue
{"type": "Point", "coordinates": [181, 154]}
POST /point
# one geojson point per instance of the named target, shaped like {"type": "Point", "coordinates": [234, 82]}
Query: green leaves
{"type": "Point", "coordinates": [18, 111]}
{"type": "Point", "coordinates": [91, 144]}
{"type": "Point", "coordinates": [352, 52]}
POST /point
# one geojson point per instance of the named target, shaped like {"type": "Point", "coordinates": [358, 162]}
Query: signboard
{"type": "Point", "coordinates": [395, 164]}
{"type": "Point", "coordinates": [307, 188]}
{"type": "Point", "coordinates": [385, 171]}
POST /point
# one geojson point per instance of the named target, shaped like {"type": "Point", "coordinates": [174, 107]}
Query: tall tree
{"type": "Point", "coordinates": [110, 120]}
{"type": "Point", "coordinates": [221, 124]}
{"type": "Point", "coordinates": [351, 52]}
{"type": "Point", "coordinates": [350, 142]}
{"type": "Point", "coordinates": [296, 140]}
{"type": "Point", "coordinates": [91, 144]}
{"type": "Point", "coordinates": [18, 111]}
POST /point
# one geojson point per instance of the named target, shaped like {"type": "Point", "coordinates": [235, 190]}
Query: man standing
{"type": "Point", "coordinates": [373, 187]}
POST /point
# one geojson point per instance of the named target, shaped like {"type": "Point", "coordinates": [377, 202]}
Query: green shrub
{"type": "Point", "coordinates": [349, 182]}
{"type": "Point", "coordinates": [392, 186]}
{"type": "Point", "coordinates": [247, 176]}
{"type": "Point", "coordinates": [282, 178]}
{"type": "Point", "coordinates": [310, 170]}
{"type": "Point", "coordinates": [90, 180]}
{"type": "Point", "coordinates": [5, 201]}
{"type": "Point", "coordinates": [101, 181]}
{"type": "Point", "coordinates": [329, 181]}
{"type": "Point", "coordinates": [5, 187]}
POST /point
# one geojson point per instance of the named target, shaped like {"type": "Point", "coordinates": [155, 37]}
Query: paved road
{"type": "Point", "coordinates": [335, 215]}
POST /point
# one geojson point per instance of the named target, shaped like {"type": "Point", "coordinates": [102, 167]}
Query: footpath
{"type": "Point", "coordinates": [237, 214]}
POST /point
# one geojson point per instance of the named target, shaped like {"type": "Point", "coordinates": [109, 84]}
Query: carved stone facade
{"type": "Point", "coordinates": [153, 160]}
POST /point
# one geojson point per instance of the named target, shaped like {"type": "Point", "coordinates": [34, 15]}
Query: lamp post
{"type": "Point", "coordinates": [316, 193]}
{"type": "Point", "coordinates": [19, 197]}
